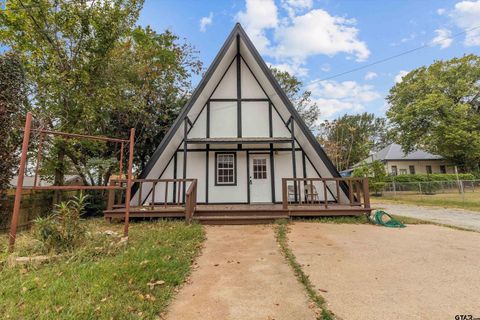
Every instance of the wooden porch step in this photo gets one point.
(238, 219)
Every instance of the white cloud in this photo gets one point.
(258, 16)
(303, 33)
(317, 32)
(326, 67)
(295, 6)
(335, 97)
(399, 77)
(443, 38)
(441, 11)
(293, 69)
(370, 75)
(466, 15)
(206, 21)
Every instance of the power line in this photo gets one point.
(395, 56)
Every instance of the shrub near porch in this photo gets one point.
(133, 282)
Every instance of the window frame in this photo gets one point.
(429, 169)
(443, 169)
(264, 173)
(226, 184)
(394, 170)
(411, 170)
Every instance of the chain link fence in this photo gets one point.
(457, 193)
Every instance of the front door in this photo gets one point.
(260, 186)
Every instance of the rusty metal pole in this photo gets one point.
(129, 182)
(21, 174)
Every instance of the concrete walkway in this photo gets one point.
(450, 216)
(241, 274)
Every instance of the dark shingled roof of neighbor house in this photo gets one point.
(394, 152)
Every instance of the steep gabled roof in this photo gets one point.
(278, 92)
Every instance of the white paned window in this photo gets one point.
(259, 168)
(225, 169)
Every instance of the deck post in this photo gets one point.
(366, 194)
(325, 195)
(284, 194)
(21, 174)
(294, 161)
(128, 195)
(111, 196)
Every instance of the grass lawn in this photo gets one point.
(135, 281)
(470, 200)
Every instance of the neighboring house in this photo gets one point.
(419, 161)
(238, 135)
(28, 181)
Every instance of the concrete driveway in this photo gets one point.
(241, 274)
(450, 216)
(369, 272)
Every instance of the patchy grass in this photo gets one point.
(469, 200)
(336, 219)
(135, 281)
(281, 231)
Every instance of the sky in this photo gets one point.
(316, 40)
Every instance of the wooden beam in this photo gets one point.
(239, 90)
(185, 151)
(294, 162)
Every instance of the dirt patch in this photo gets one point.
(241, 274)
(368, 272)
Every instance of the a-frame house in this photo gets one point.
(239, 136)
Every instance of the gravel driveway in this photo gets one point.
(450, 216)
(366, 272)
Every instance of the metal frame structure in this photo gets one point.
(23, 162)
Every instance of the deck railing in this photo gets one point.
(339, 191)
(191, 201)
(174, 193)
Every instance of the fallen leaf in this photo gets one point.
(152, 284)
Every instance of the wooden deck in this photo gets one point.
(238, 213)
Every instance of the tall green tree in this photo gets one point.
(302, 100)
(437, 108)
(90, 70)
(12, 103)
(350, 138)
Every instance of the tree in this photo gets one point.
(302, 101)
(90, 70)
(375, 172)
(436, 108)
(350, 138)
(12, 101)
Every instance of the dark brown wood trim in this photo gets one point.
(207, 166)
(185, 152)
(175, 176)
(294, 162)
(248, 177)
(272, 173)
(239, 90)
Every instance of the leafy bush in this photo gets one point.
(375, 172)
(63, 230)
